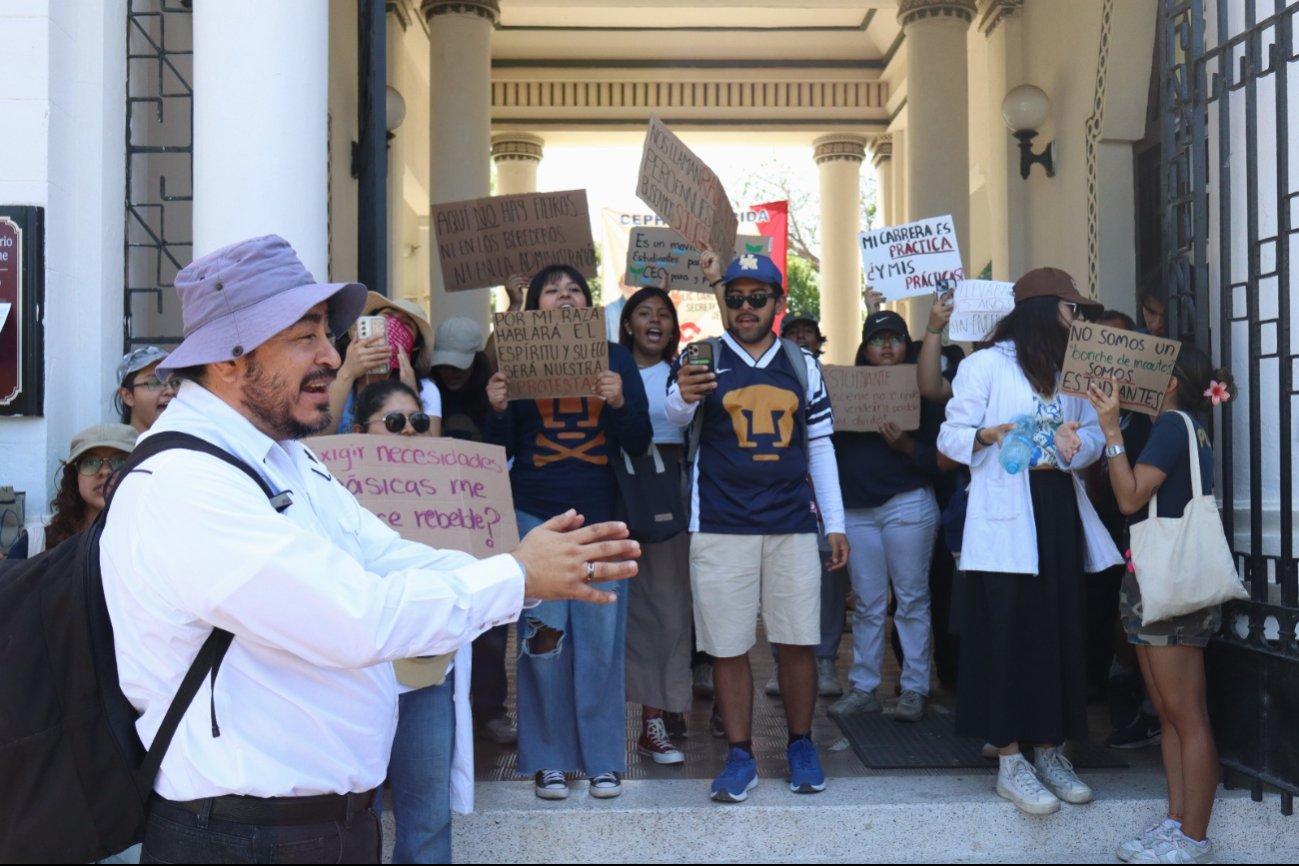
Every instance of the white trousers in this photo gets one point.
(892, 545)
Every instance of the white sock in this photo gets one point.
(1182, 836)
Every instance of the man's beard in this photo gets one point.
(263, 396)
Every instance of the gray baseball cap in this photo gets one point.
(458, 339)
(236, 298)
(136, 360)
(119, 436)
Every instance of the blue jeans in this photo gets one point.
(572, 704)
(419, 772)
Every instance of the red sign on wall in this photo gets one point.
(21, 275)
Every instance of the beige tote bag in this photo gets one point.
(1183, 564)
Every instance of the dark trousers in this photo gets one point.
(487, 684)
(175, 834)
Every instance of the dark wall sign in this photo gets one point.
(22, 302)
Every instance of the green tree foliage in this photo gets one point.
(804, 296)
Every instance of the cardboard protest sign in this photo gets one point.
(908, 260)
(680, 188)
(1139, 364)
(977, 307)
(552, 353)
(655, 253)
(865, 397)
(483, 241)
(446, 493)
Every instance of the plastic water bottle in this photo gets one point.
(1017, 446)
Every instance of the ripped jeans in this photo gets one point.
(571, 701)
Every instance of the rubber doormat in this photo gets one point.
(884, 744)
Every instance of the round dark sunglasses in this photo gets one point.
(395, 422)
(757, 300)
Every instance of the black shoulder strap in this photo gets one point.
(214, 648)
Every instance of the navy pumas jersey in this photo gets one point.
(750, 477)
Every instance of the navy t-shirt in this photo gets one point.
(1167, 450)
(751, 471)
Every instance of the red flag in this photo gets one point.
(772, 221)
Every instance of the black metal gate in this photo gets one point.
(1230, 212)
(159, 167)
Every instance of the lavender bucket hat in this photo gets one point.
(236, 298)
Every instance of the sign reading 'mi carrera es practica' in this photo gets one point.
(22, 296)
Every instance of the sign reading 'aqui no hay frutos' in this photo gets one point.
(681, 189)
(483, 241)
(1139, 364)
(552, 353)
(863, 398)
(909, 260)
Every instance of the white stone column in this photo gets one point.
(460, 101)
(938, 136)
(261, 83)
(882, 159)
(839, 158)
(517, 155)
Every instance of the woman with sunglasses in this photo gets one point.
(891, 516)
(96, 453)
(1030, 533)
(419, 770)
(571, 700)
(404, 350)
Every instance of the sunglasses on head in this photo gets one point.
(90, 464)
(395, 422)
(756, 301)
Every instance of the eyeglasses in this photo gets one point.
(756, 301)
(886, 340)
(90, 464)
(395, 422)
(1073, 310)
(155, 384)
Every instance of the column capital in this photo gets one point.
(517, 146)
(489, 9)
(881, 149)
(911, 11)
(996, 11)
(839, 147)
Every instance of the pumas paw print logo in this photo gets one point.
(749, 262)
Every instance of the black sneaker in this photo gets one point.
(1138, 735)
(676, 724)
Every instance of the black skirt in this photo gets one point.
(1023, 638)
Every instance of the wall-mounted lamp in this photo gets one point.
(1025, 109)
(394, 107)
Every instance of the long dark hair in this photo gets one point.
(374, 395)
(68, 508)
(545, 275)
(626, 340)
(1040, 340)
(1194, 371)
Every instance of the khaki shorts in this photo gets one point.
(731, 574)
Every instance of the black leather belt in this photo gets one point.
(275, 811)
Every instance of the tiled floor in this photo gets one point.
(704, 753)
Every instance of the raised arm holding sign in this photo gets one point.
(909, 260)
(553, 353)
(685, 192)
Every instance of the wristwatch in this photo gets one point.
(1112, 451)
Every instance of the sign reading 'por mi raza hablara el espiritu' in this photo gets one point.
(911, 260)
(552, 353)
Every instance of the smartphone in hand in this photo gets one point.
(699, 356)
(369, 326)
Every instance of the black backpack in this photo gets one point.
(75, 781)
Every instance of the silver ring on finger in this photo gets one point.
(590, 572)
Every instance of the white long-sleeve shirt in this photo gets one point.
(1000, 534)
(320, 599)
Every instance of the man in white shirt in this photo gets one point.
(278, 757)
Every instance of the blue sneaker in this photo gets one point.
(805, 775)
(738, 778)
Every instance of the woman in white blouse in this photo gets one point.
(1030, 533)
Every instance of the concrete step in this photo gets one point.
(897, 817)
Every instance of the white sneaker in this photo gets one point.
(1146, 839)
(1017, 782)
(1057, 774)
(827, 679)
(1176, 847)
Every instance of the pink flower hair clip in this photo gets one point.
(1217, 392)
